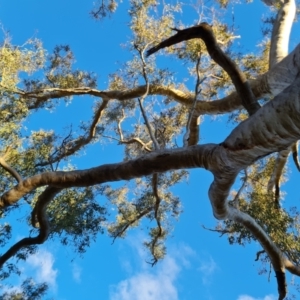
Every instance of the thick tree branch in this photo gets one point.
(271, 83)
(204, 32)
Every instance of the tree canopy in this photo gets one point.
(154, 114)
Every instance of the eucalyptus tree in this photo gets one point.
(262, 97)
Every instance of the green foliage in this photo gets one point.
(76, 217)
(14, 60)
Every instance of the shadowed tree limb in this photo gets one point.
(259, 253)
(295, 155)
(39, 212)
(10, 169)
(204, 32)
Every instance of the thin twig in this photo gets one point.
(79, 143)
(142, 98)
(237, 196)
(156, 216)
(187, 136)
(131, 141)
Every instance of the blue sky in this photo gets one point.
(199, 264)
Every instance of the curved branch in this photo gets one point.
(154, 162)
(40, 211)
(259, 253)
(295, 155)
(159, 234)
(277, 172)
(204, 32)
(276, 257)
(10, 170)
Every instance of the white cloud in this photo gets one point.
(208, 268)
(149, 283)
(146, 286)
(247, 297)
(76, 272)
(42, 262)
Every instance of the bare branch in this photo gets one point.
(259, 253)
(221, 231)
(141, 99)
(159, 234)
(281, 32)
(295, 155)
(119, 126)
(131, 141)
(77, 144)
(40, 212)
(204, 32)
(275, 255)
(10, 169)
(132, 221)
(191, 136)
